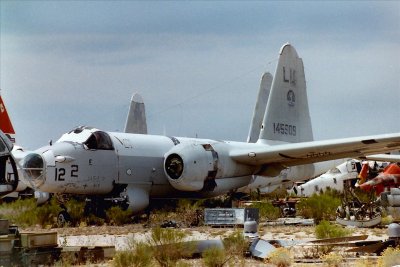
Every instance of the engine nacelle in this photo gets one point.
(189, 166)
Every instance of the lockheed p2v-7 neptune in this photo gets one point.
(132, 169)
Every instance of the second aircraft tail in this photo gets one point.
(287, 116)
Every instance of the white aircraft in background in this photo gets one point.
(336, 178)
(134, 168)
(348, 171)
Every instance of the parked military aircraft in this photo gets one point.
(8, 167)
(336, 178)
(133, 168)
(352, 170)
(135, 123)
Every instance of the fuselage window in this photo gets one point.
(99, 140)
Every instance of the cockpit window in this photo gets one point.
(5, 144)
(99, 140)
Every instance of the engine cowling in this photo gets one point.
(189, 167)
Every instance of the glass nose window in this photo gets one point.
(33, 165)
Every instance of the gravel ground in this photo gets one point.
(121, 237)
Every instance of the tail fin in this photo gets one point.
(287, 117)
(136, 120)
(259, 109)
(5, 122)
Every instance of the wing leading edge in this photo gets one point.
(315, 151)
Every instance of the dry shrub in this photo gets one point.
(26, 213)
(366, 263)
(327, 230)
(139, 256)
(214, 257)
(267, 210)
(315, 252)
(168, 246)
(390, 257)
(76, 210)
(281, 257)
(118, 216)
(189, 212)
(319, 207)
(332, 259)
(236, 244)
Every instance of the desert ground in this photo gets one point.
(122, 236)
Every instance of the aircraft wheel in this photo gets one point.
(63, 218)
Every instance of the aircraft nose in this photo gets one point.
(34, 169)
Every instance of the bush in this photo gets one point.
(236, 246)
(281, 257)
(47, 213)
(138, 257)
(26, 213)
(167, 246)
(332, 259)
(189, 212)
(327, 230)
(76, 210)
(267, 210)
(117, 216)
(214, 257)
(390, 257)
(92, 219)
(19, 212)
(319, 207)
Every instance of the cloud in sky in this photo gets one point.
(197, 64)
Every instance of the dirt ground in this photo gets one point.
(122, 236)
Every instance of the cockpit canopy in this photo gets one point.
(99, 140)
(91, 138)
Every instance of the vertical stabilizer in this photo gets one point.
(259, 109)
(287, 117)
(5, 122)
(136, 120)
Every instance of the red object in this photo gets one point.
(5, 123)
(363, 173)
(390, 177)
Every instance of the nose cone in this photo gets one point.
(34, 169)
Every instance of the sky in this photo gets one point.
(197, 64)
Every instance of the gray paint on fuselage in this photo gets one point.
(95, 171)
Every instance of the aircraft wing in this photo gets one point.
(384, 157)
(316, 151)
